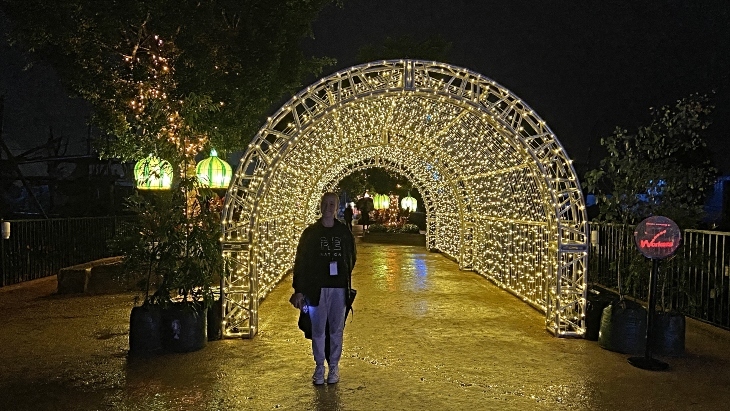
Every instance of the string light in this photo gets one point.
(150, 76)
(500, 194)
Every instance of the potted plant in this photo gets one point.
(668, 328)
(624, 322)
(625, 330)
(175, 243)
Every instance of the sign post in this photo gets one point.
(656, 238)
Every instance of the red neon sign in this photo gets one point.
(657, 237)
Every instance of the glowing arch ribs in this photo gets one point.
(500, 193)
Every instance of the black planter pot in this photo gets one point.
(667, 334)
(215, 332)
(623, 328)
(595, 303)
(184, 327)
(145, 330)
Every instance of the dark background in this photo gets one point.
(584, 67)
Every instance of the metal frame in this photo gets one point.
(501, 195)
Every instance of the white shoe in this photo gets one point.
(318, 376)
(334, 375)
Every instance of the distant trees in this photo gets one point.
(663, 168)
(375, 180)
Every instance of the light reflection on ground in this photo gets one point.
(424, 336)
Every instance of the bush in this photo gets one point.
(418, 219)
(377, 228)
(409, 229)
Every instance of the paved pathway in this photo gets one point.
(424, 336)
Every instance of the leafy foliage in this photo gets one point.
(405, 229)
(409, 229)
(378, 228)
(377, 180)
(206, 71)
(175, 241)
(662, 169)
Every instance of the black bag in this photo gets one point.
(350, 298)
(305, 324)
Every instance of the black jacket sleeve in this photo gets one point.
(299, 280)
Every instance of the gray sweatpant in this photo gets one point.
(331, 307)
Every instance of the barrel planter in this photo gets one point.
(145, 330)
(667, 334)
(595, 303)
(215, 317)
(184, 327)
(623, 328)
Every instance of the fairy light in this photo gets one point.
(151, 76)
(500, 194)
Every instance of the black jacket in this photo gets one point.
(318, 246)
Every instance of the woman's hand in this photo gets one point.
(297, 300)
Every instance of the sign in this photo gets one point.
(657, 237)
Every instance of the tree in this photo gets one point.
(167, 76)
(662, 169)
(376, 180)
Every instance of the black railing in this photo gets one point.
(39, 248)
(695, 281)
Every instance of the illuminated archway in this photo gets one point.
(500, 193)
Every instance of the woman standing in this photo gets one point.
(322, 277)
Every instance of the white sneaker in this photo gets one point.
(318, 376)
(334, 375)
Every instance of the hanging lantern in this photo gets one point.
(381, 201)
(153, 173)
(214, 172)
(409, 203)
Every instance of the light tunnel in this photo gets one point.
(501, 196)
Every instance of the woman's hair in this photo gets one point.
(327, 194)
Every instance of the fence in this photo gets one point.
(696, 281)
(39, 248)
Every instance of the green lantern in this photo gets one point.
(409, 203)
(214, 172)
(381, 201)
(153, 173)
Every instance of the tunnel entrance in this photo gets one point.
(500, 193)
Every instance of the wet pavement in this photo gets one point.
(424, 336)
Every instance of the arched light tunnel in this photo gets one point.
(500, 193)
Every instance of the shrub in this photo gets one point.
(378, 228)
(409, 229)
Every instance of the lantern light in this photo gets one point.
(381, 202)
(214, 172)
(153, 173)
(409, 203)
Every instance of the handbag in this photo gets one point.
(351, 294)
(305, 323)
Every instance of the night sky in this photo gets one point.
(584, 67)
